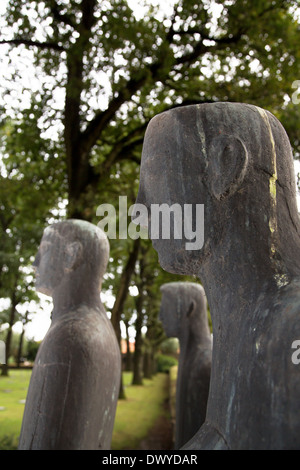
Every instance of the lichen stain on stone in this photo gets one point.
(272, 227)
(281, 280)
(273, 180)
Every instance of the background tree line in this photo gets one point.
(72, 134)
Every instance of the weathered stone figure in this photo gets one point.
(74, 387)
(183, 313)
(236, 159)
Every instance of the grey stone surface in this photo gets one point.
(236, 159)
(74, 387)
(183, 313)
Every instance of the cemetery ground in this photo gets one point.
(143, 419)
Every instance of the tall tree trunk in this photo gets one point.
(21, 340)
(128, 359)
(121, 297)
(148, 362)
(9, 331)
(138, 353)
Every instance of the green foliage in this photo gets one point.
(208, 50)
(32, 349)
(170, 346)
(8, 442)
(13, 391)
(164, 363)
(29, 350)
(29, 192)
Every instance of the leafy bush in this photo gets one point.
(164, 363)
(32, 349)
(170, 347)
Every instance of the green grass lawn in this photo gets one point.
(138, 413)
(13, 391)
(134, 418)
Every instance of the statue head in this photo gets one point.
(235, 160)
(183, 309)
(73, 252)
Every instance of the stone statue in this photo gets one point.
(73, 392)
(236, 160)
(183, 313)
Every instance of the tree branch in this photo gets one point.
(122, 150)
(128, 154)
(79, 169)
(225, 39)
(62, 17)
(95, 127)
(199, 49)
(123, 288)
(88, 16)
(30, 42)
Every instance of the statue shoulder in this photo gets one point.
(84, 329)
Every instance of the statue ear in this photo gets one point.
(228, 159)
(72, 256)
(191, 308)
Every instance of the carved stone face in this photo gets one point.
(74, 252)
(183, 308)
(222, 156)
(172, 176)
(169, 315)
(48, 263)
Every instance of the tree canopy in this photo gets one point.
(102, 71)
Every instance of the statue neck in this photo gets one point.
(257, 247)
(250, 261)
(194, 339)
(73, 292)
